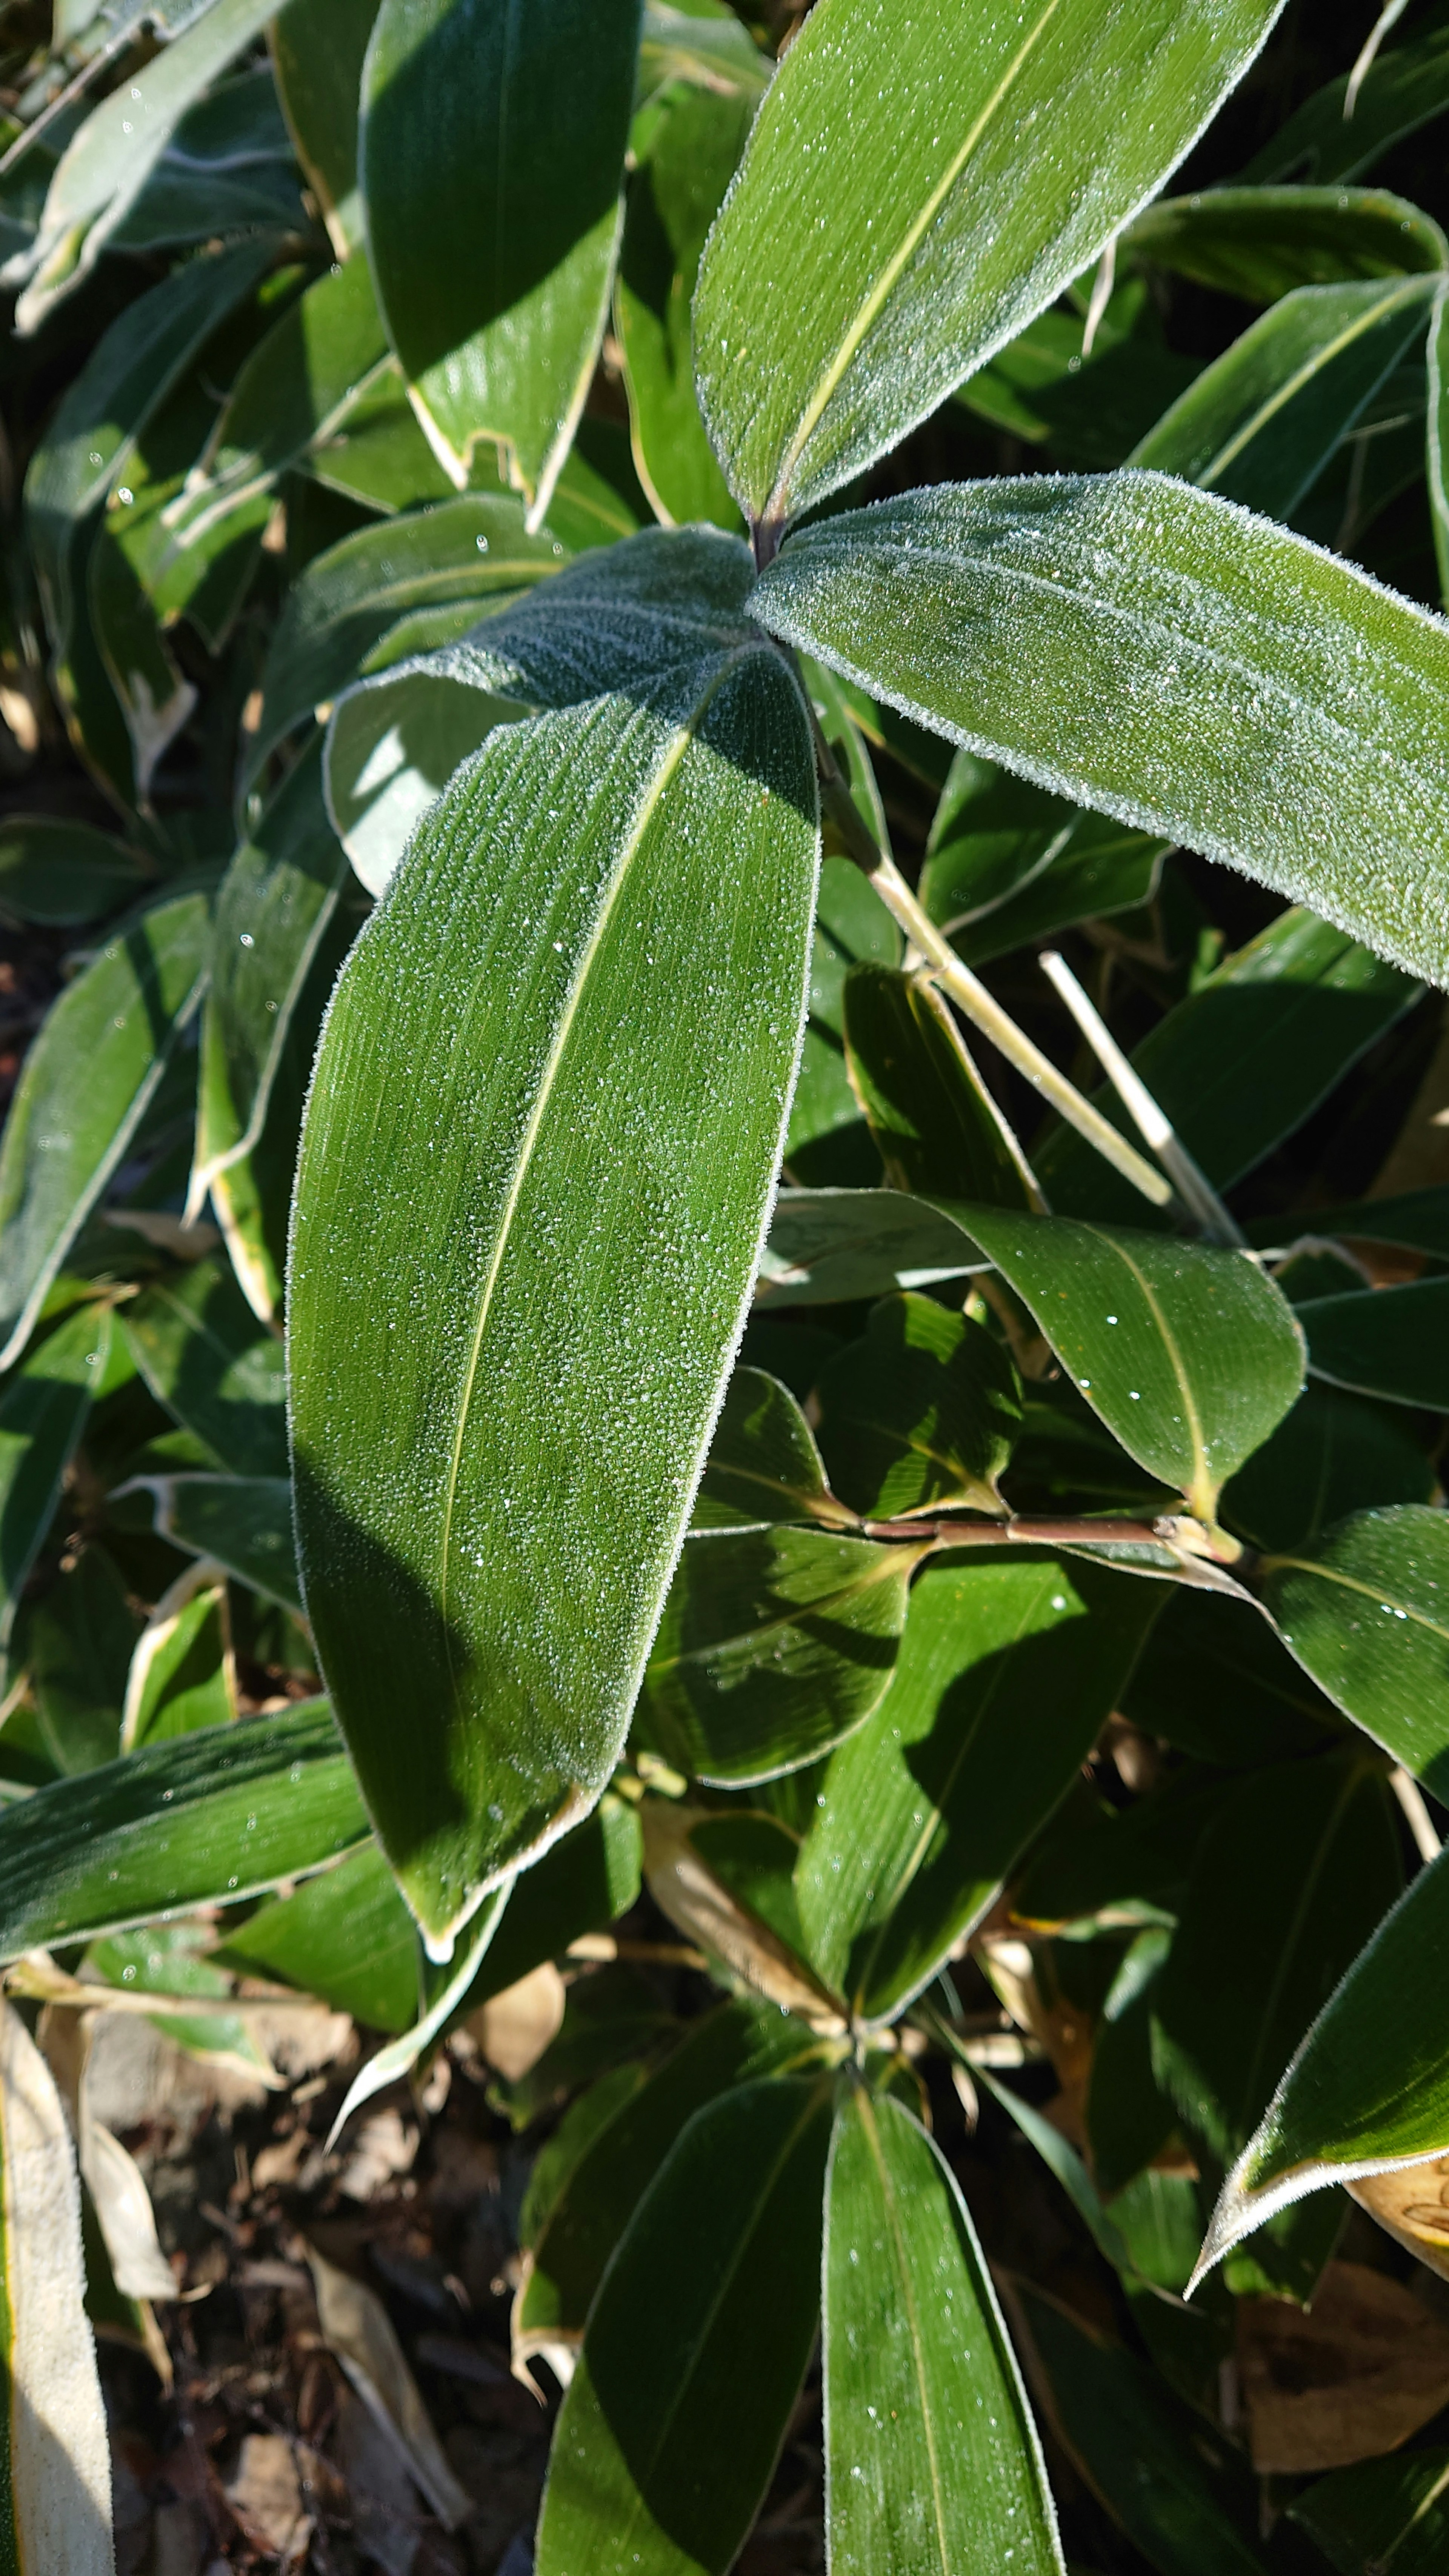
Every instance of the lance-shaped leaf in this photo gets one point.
(1367, 2091)
(829, 1247)
(1386, 1341)
(61, 874)
(1333, 1454)
(1386, 2513)
(1403, 88)
(204, 1820)
(1190, 1356)
(1262, 242)
(43, 1411)
(932, 2458)
(922, 1412)
(594, 965)
(1188, 670)
(1008, 864)
(227, 168)
(773, 1645)
(838, 302)
(55, 2497)
(208, 1359)
(273, 912)
(763, 1464)
(508, 133)
(108, 161)
(245, 1522)
(318, 48)
(1366, 1612)
(1007, 1670)
(1260, 424)
(88, 1080)
(77, 1644)
(696, 2346)
(682, 173)
(935, 1124)
(183, 1672)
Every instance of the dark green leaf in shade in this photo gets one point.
(681, 172)
(922, 1412)
(1008, 863)
(1287, 1884)
(1086, 404)
(839, 302)
(594, 965)
(1186, 666)
(1007, 1670)
(153, 694)
(211, 1817)
(1331, 1455)
(88, 1080)
(1242, 1061)
(508, 133)
(1416, 1219)
(1215, 1681)
(830, 1247)
(736, 2043)
(1366, 1611)
(60, 874)
(1260, 243)
(583, 1882)
(77, 1644)
(317, 49)
(244, 1522)
(273, 912)
(1129, 2118)
(228, 168)
(43, 1411)
(1404, 87)
(1262, 421)
(696, 2346)
(206, 1357)
(1368, 2089)
(1120, 1868)
(1191, 1357)
(1385, 2517)
(586, 2116)
(1391, 1342)
(935, 1124)
(763, 1464)
(773, 1645)
(1177, 2489)
(932, 2458)
(609, 2016)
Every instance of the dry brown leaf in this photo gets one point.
(266, 2497)
(1412, 2206)
(1347, 2379)
(515, 2027)
(356, 2326)
(382, 2147)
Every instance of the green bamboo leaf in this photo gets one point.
(696, 2346)
(470, 549)
(346, 1936)
(55, 2498)
(680, 175)
(1006, 863)
(922, 1412)
(924, 1812)
(275, 907)
(1260, 243)
(1417, 1219)
(834, 312)
(207, 1819)
(702, 42)
(182, 1673)
(43, 1412)
(830, 1247)
(1180, 2492)
(763, 1464)
(773, 1645)
(1296, 1870)
(60, 874)
(1366, 1612)
(1402, 90)
(936, 1126)
(508, 133)
(87, 1083)
(1191, 1357)
(109, 160)
(245, 1522)
(932, 2458)
(1214, 1680)
(1367, 2090)
(1388, 2513)
(77, 1642)
(443, 1490)
(1187, 667)
(1085, 400)
(1240, 1063)
(214, 1366)
(1386, 1341)
(1261, 422)
(317, 51)
(736, 2043)
(227, 168)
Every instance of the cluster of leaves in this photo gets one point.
(786, 1543)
